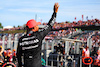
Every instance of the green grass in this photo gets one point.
(14, 31)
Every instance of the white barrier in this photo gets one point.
(9, 41)
(12, 44)
(3, 42)
(16, 42)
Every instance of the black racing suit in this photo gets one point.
(30, 45)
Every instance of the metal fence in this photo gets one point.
(55, 59)
(67, 60)
(9, 43)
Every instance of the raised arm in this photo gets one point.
(53, 18)
(51, 22)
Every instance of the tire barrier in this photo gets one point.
(87, 60)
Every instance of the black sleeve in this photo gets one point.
(48, 27)
(19, 54)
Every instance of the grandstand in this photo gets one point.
(63, 46)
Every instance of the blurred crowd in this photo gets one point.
(7, 55)
(95, 35)
(94, 52)
(95, 22)
(96, 39)
(62, 33)
(59, 48)
(60, 25)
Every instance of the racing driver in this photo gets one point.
(30, 44)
